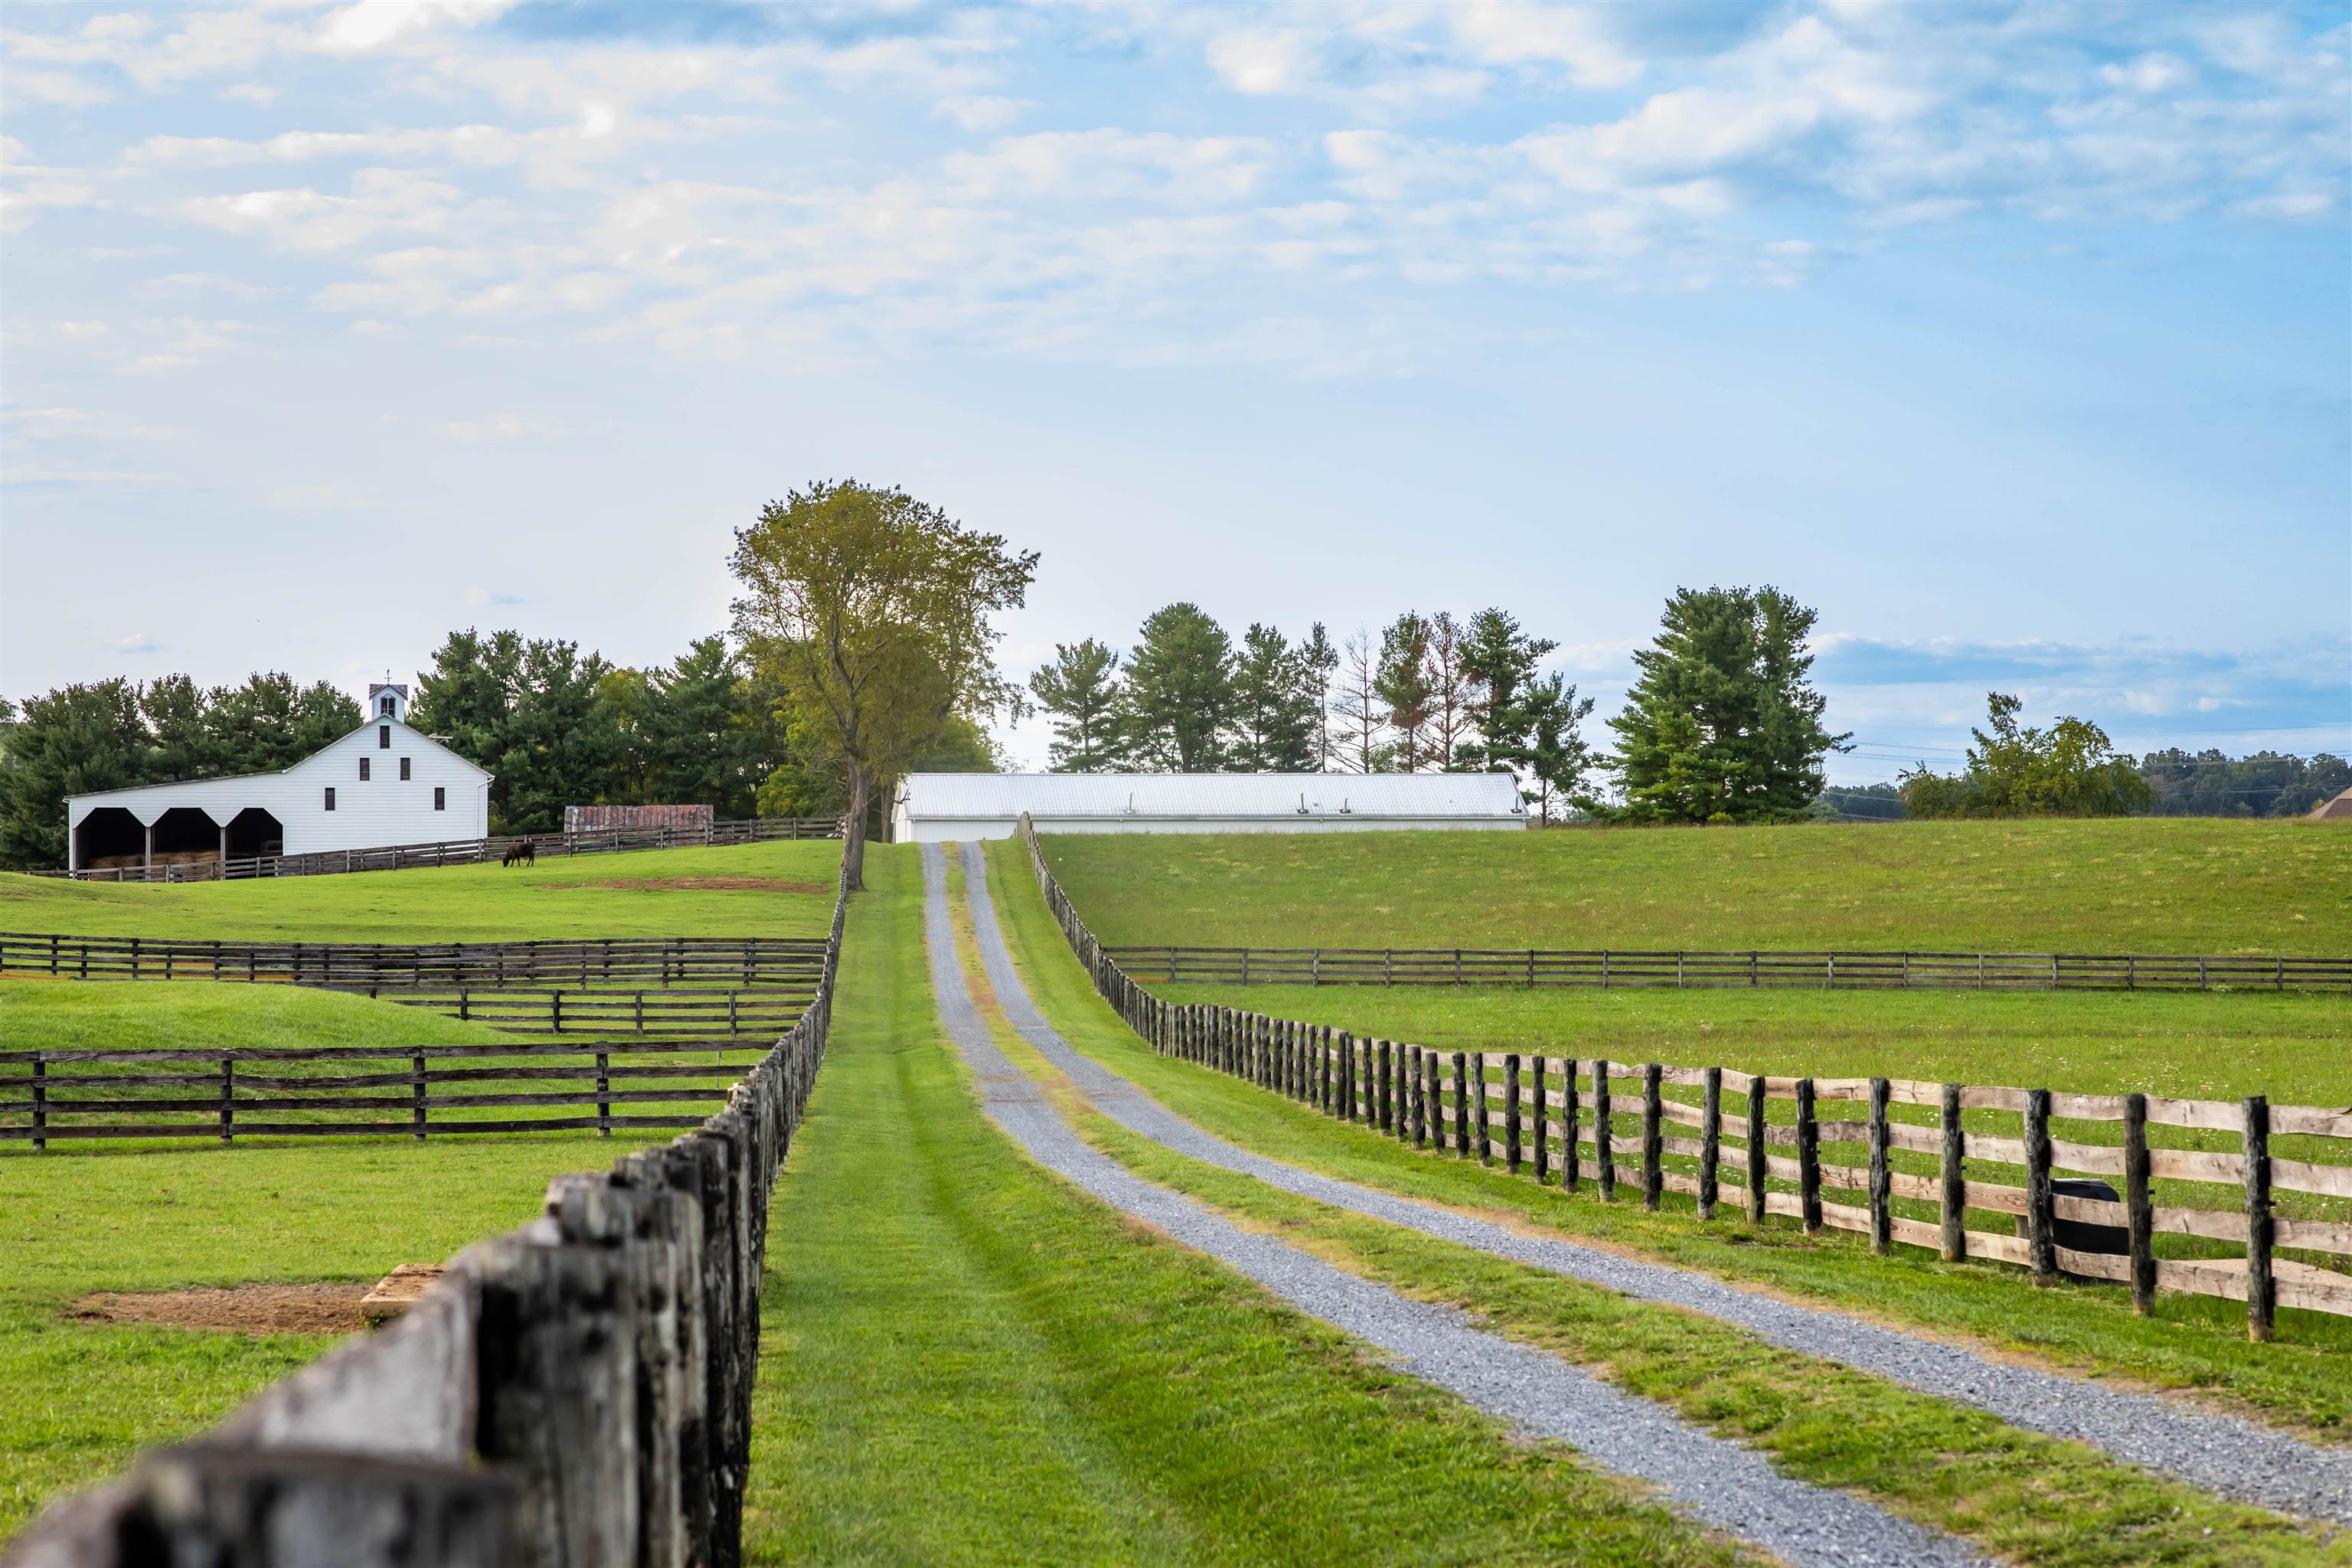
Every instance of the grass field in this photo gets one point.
(2190, 1342)
(596, 895)
(965, 1360)
(2149, 885)
(83, 1397)
(2291, 1048)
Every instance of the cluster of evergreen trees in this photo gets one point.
(114, 734)
(1430, 694)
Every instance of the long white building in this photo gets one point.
(383, 783)
(940, 808)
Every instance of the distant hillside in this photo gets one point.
(2148, 885)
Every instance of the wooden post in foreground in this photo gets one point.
(2041, 1205)
(1711, 1151)
(1570, 1160)
(1604, 1157)
(1460, 1105)
(1652, 1172)
(1511, 1112)
(1543, 1128)
(1954, 1204)
(1881, 1177)
(2140, 1212)
(1755, 1149)
(1809, 1158)
(2262, 1289)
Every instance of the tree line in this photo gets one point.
(1722, 724)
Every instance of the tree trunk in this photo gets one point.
(853, 850)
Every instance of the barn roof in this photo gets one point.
(1003, 796)
(161, 785)
(2338, 805)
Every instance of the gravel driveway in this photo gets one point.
(1719, 1483)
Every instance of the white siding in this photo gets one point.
(950, 807)
(383, 809)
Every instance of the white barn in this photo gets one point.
(938, 808)
(383, 783)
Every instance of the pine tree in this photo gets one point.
(1317, 662)
(1179, 692)
(73, 740)
(1722, 725)
(1402, 681)
(703, 744)
(1276, 714)
(1080, 689)
(1450, 693)
(182, 744)
(1498, 663)
(1553, 752)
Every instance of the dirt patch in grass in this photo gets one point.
(317, 1309)
(707, 885)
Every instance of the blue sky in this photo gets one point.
(2018, 339)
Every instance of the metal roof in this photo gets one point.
(994, 796)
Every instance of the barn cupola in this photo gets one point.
(387, 702)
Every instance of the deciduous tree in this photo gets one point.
(1402, 681)
(1363, 723)
(2070, 769)
(875, 612)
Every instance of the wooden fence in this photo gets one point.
(1818, 970)
(375, 965)
(575, 1391)
(68, 1095)
(462, 851)
(1983, 1151)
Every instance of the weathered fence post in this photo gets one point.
(1511, 1112)
(416, 1096)
(1433, 1100)
(1756, 1153)
(40, 1102)
(1882, 1178)
(1710, 1140)
(1652, 1146)
(1604, 1169)
(2041, 1215)
(1953, 1207)
(228, 1099)
(1570, 1161)
(2140, 1212)
(1386, 1118)
(1543, 1133)
(1347, 1076)
(604, 1095)
(1483, 1136)
(1809, 1157)
(1461, 1105)
(2262, 1289)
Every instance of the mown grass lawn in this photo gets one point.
(633, 894)
(2296, 1048)
(2145, 885)
(82, 1397)
(2189, 1342)
(965, 1360)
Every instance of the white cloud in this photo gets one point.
(981, 111)
(152, 364)
(251, 92)
(382, 200)
(334, 495)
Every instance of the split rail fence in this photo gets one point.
(462, 851)
(794, 962)
(576, 1392)
(1538, 967)
(1955, 1155)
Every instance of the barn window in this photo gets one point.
(330, 797)
(440, 798)
(403, 770)
(363, 770)
(383, 736)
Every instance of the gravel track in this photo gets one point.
(1722, 1484)
(2223, 1454)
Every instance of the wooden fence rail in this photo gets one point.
(576, 1392)
(463, 851)
(1539, 967)
(372, 966)
(215, 1095)
(1961, 1152)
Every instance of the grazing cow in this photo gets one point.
(523, 850)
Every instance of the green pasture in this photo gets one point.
(2191, 1342)
(84, 1396)
(2170, 885)
(558, 899)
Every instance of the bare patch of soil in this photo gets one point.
(708, 885)
(317, 1309)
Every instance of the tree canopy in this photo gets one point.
(2070, 769)
(1722, 724)
(873, 614)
